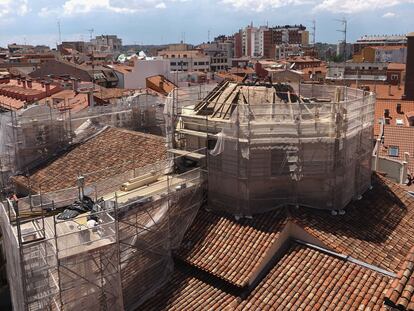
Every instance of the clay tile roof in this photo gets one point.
(401, 291)
(218, 253)
(306, 278)
(111, 152)
(391, 105)
(401, 137)
(378, 229)
(230, 249)
(303, 279)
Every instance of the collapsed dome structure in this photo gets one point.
(273, 144)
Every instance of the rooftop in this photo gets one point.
(111, 152)
(298, 258)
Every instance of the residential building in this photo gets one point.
(186, 60)
(100, 75)
(16, 94)
(134, 76)
(362, 72)
(79, 46)
(378, 40)
(291, 34)
(107, 43)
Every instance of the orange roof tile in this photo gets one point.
(376, 229)
(229, 249)
(391, 105)
(303, 279)
(401, 292)
(218, 253)
(383, 91)
(401, 137)
(111, 152)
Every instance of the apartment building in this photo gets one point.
(187, 60)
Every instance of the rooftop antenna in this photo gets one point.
(344, 23)
(313, 33)
(59, 32)
(91, 33)
(208, 36)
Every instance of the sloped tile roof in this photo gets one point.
(230, 249)
(303, 279)
(111, 152)
(406, 108)
(401, 292)
(401, 137)
(377, 229)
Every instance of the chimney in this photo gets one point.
(47, 86)
(19, 81)
(409, 68)
(399, 111)
(386, 113)
(24, 82)
(29, 83)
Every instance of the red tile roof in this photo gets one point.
(401, 292)
(401, 137)
(384, 91)
(377, 229)
(111, 152)
(229, 249)
(303, 279)
(218, 253)
(407, 108)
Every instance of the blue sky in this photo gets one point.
(166, 21)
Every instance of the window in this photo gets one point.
(393, 151)
(173, 63)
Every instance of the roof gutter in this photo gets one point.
(348, 259)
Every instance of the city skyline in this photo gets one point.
(138, 22)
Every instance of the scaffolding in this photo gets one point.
(272, 144)
(142, 215)
(34, 135)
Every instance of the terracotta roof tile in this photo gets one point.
(303, 279)
(407, 107)
(111, 152)
(230, 249)
(401, 137)
(401, 291)
(376, 229)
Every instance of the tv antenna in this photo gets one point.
(344, 29)
(313, 32)
(91, 33)
(59, 32)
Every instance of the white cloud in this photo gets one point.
(356, 6)
(334, 6)
(261, 5)
(161, 5)
(73, 7)
(9, 8)
(389, 15)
